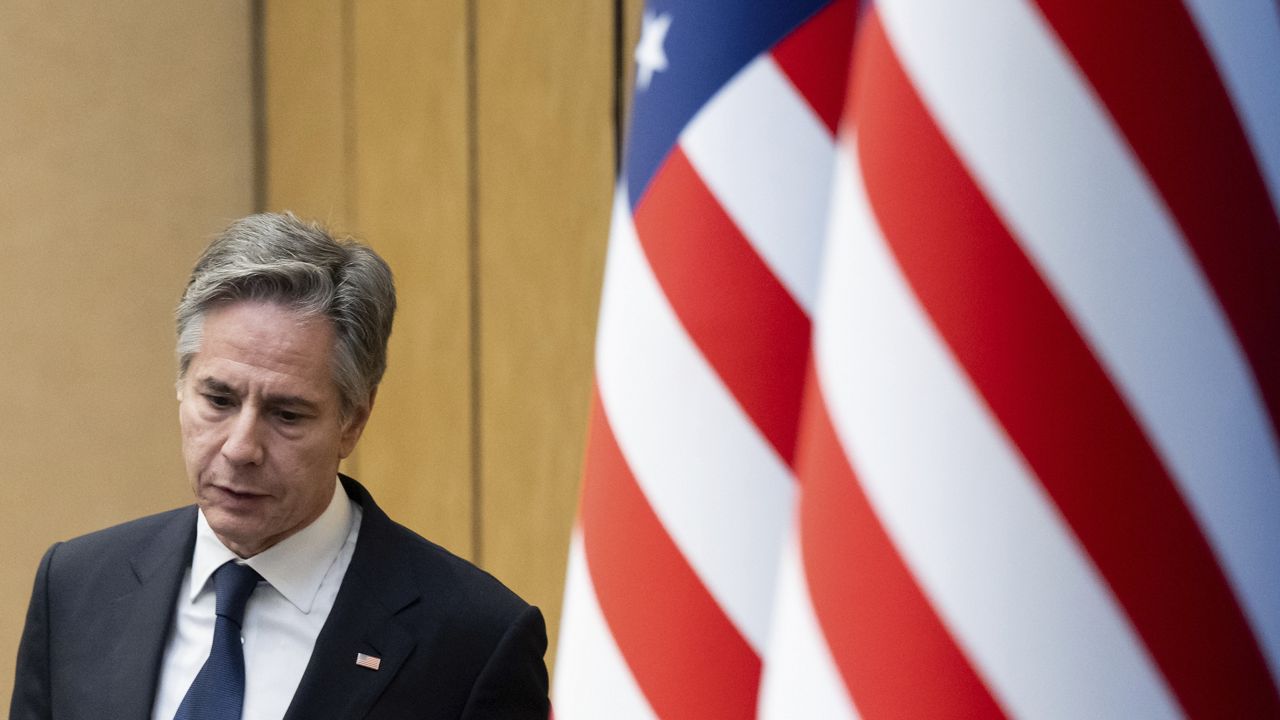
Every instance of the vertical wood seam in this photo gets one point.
(349, 115)
(258, 101)
(473, 269)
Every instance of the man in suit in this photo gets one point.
(285, 591)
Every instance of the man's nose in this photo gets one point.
(243, 445)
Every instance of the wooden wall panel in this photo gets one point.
(306, 164)
(411, 203)
(367, 130)
(478, 157)
(125, 143)
(307, 143)
(545, 105)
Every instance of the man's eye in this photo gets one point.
(218, 401)
(288, 416)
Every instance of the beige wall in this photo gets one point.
(471, 143)
(125, 140)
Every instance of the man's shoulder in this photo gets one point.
(78, 572)
(450, 600)
(431, 561)
(393, 549)
(133, 530)
(128, 538)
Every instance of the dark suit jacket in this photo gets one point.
(454, 642)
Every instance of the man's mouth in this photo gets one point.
(243, 494)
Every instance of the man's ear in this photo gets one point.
(354, 426)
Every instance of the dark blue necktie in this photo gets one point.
(217, 693)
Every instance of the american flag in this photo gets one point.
(1039, 453)
(700, 359)
(1036, 442)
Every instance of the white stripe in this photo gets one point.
(972, 523)
(592, 679)
(719, 488)
(1243, 36)
(1091, 222)
(767, 157)
(800, 678)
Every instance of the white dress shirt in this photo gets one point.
(282, 618)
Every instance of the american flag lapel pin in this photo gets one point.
(368, 661)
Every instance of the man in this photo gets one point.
(285, 591)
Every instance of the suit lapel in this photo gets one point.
(133, 657)
(334, 686)
(363, 620)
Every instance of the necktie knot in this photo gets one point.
(233, 583)
(217, 693)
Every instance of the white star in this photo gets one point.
(650, 57)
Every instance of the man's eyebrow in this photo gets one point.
(215, 385)
(218, 386)
(289, 401)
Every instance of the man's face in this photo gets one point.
(261, 432)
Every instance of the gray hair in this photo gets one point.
(280, 259)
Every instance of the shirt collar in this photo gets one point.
(294, 566)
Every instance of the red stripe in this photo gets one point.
(741, 318)
(894, 654)
(1053, 398)
(1152, 71)
(685, 654)
(816, 59)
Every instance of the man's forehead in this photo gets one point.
(262, 347)
(272, 333)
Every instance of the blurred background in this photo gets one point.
(472, 144)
